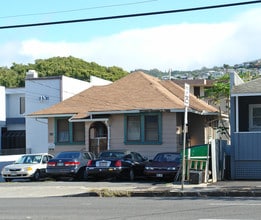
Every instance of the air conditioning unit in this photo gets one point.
(31, 74)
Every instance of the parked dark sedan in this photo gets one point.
(122, 164)
(165, 165)
(69, 164)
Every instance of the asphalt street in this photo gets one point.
(135, 208)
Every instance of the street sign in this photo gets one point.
(186, 95)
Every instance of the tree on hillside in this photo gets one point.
(57, 66)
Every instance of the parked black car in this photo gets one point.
(69, 164)
(165, 165)
(122, 164)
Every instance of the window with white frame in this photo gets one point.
(255, 117)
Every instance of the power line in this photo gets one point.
(79, 9)
(130, 15)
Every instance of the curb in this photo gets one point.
(167, 193)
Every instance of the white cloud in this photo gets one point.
(182, 46)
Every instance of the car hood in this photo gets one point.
(20, 165)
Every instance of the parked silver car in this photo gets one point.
(28, 166)
(69, 164)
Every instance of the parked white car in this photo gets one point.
(28, 166)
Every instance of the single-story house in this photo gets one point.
(245, 121)
(138, 112)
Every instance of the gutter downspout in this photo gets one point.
(109, 134)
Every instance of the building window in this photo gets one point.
(69, 133)
(197, 91)
(144, 128)
(255, 117)
(133, 128)
(62, 130)
(151, 128)
(22, 105)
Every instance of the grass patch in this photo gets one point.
(111, 193)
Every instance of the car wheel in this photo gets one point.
(36, 176)
(131, 175)
(7, 180)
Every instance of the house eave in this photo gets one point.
(49, 116)
(195, 111)
(88, 120)
(245, 94)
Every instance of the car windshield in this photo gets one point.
(168, 157)
(110, 154)
(68, 155)
(27, 159)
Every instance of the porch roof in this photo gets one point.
(251, 88)
(135, 92)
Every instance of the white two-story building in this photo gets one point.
(20, 134)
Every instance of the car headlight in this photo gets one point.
(5, 169)
(27, 169)
(171, 168)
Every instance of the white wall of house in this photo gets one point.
(71, 86)
(2, 105)
(42, 93)
(2, 110)
(13, 96)
(96, 81)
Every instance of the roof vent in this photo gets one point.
(31, 74)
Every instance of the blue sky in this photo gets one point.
(178, 41)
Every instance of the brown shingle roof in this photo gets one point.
(136, 91)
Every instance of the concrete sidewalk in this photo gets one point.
(122, 189)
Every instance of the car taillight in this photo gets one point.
(118, 163)
(51, 164)
(89, 163)
(71, 163)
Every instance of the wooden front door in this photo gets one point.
(98, 135)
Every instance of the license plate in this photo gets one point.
(13, 173)
(59, 164)
(103, 164)
(159, 175)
